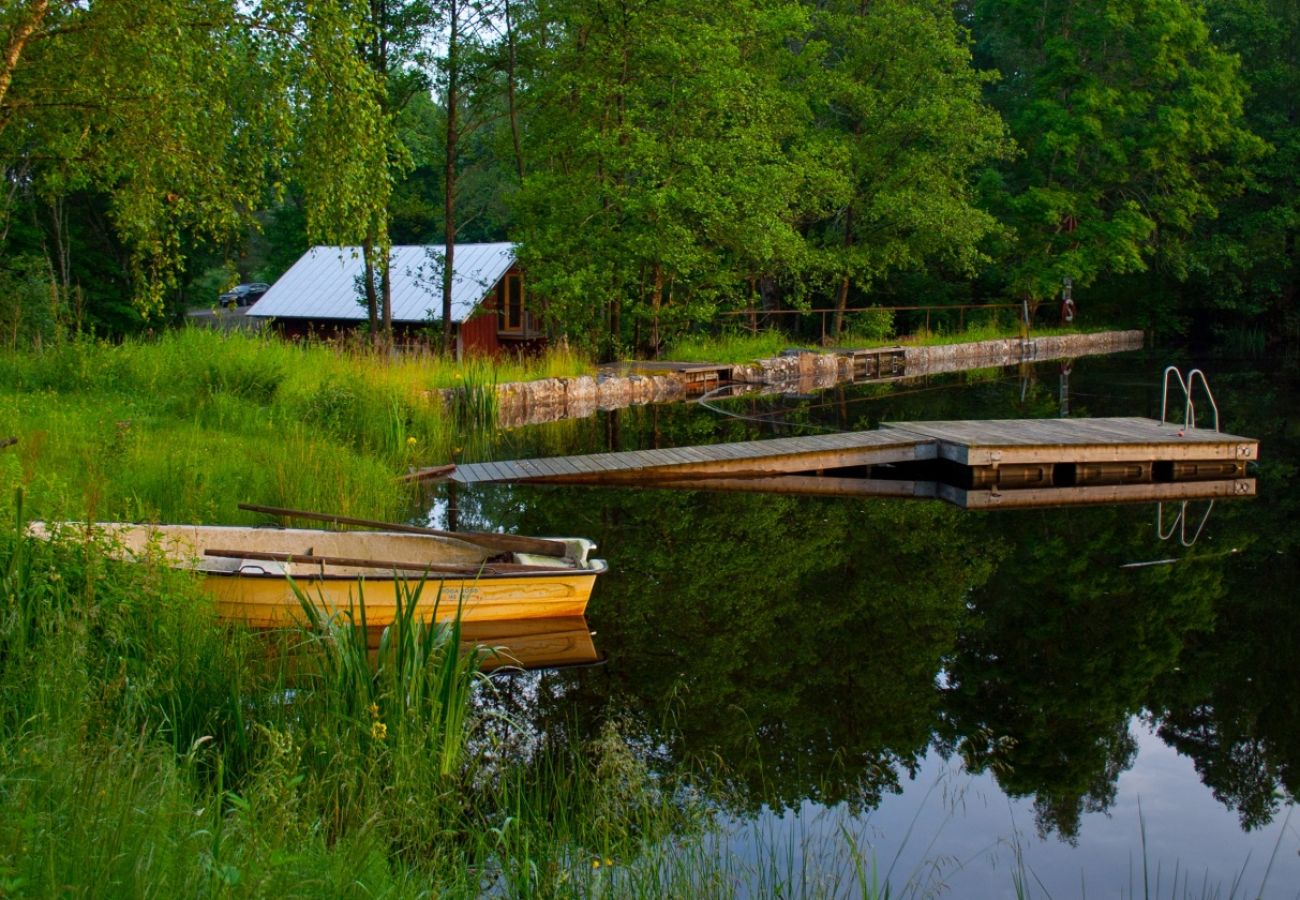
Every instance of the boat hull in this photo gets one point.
(269, 601)
(252, 572)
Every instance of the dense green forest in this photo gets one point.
(660, 162)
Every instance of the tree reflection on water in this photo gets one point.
(813, 648)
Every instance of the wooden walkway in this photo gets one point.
(973, 464)
(746, 459)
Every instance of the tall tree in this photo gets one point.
(1249, 261)
(187, 115)
(475, 34)
(395, 35)
(1124, 110)
(165, 106)
(899, 112)
(656, 139)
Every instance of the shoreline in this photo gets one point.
(554, 399)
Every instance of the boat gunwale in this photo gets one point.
(594, 567)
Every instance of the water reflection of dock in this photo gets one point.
(977, 464)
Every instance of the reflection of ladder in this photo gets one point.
(1188, 384)
(1179, 523)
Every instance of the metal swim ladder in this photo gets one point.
(1188, 384)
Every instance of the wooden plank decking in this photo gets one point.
(747, 459)
(1002, 441)
(1009, 463)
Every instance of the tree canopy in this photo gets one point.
(658, 163)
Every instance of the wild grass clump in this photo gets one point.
(732, 346)
(145, 748)
(187, 426)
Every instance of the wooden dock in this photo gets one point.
(982, 463)
(697, 377)
(746, 459)
(876, 363)
(990, 442)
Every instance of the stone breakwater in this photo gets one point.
(552, 399)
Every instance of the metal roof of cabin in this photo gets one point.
(326, 283)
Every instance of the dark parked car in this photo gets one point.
(243, 294)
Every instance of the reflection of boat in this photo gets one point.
(539, 643)
(245, 569)
(531, 643)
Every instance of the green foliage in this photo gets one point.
(1130, 122)
(688, 153)
(659, 179)
(94, 87)
(901, 126)
(870, 325)
(1246, 264)
(243, 97)
(26, 317)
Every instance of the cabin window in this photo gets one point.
(513, 307)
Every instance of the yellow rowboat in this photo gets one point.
(244, 569)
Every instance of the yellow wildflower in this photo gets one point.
(411, 441)
(379, 731)
(374, 710)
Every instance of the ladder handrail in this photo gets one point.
(1188, 384)
(1190, 411)
(1164, 396)
(1178, 519)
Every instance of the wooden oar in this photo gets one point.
(389, 565)
(509, 543)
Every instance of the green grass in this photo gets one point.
(146, 749)
(744, 346)
(185, 427)
(728, 347)
(974, 333)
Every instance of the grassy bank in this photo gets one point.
(745, 346)
(147, 750)
(185, 427)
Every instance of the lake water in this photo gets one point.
(971, 698)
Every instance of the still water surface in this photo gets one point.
(954, 690)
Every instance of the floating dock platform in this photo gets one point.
(977, 464)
